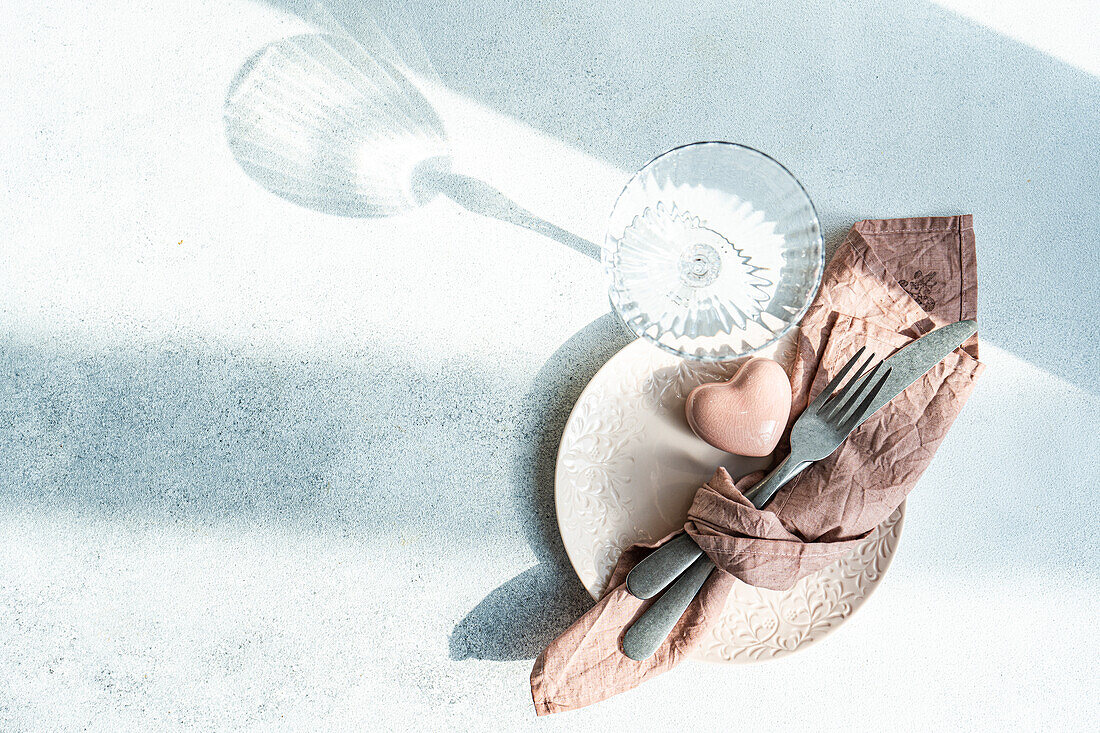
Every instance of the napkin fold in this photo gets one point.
(891, 281)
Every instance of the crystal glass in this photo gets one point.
(714, 251)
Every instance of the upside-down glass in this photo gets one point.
(714, 251)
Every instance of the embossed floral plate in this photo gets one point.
(628, 466)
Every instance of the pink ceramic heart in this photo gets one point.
(745, 415)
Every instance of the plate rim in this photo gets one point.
(558, 459)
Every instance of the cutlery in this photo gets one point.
(819, 430)
(661, 567)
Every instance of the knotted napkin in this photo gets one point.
(891, 281)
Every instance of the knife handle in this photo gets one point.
(648, 633)
(662, 566)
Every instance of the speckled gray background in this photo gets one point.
(264, 468)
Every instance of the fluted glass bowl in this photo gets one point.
(714, 251)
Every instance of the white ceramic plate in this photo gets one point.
(628, 466)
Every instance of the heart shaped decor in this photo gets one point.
(745, 415)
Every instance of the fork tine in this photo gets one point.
(857, 416)
(853, 393)
(865, 368)
(847, 396)
(830, 404)
(827, 392)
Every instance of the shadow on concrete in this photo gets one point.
(518, 619)
(335, 124)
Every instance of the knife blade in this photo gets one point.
(916, 359)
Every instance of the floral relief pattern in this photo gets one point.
(669, 386)
(596, 500)
(758, 623)
(597, 464)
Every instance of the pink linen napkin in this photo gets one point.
(890, 282)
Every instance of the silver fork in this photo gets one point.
(819, 431)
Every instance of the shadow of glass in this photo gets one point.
(434, 176)
(322, 121)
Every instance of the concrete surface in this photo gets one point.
(267, 468)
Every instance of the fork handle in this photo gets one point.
(662, 566)
(763, 491)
